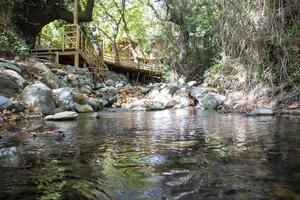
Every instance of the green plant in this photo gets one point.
(10, 42)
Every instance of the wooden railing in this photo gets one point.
(128, 62)
(74, 37)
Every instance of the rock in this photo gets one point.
(144, 90)
(103, 90)
(79, 97)
(86, 89)
(5, 103)
(295, 112)
(119, 85)
(62, 116)
(96, 104)
(105, 103)
(40, 96)
(138, 105)
(261, 111)
(183, 102)
(64, 98)
(15, 76)
(8, 86)
(71, 69)
(208, 102)
(172, 103)
(169, 90)
(156, 105)
(153, 93)
(48, 77)
(83, 108)
(10, 66)
(98, 86)
(198, 93)
(111, 97)
(109, 82)
(17, 107)
(219, 98)
(192, 83)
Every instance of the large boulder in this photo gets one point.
(10, 66)
(64, 98)
(40, 96)
(83, 108)
(198, 93)
(211, 100)
(79, 97)
(8, 86)
(96, 104)
(15, 76)
(48, 77)
(62, 116)
(5, 103)
(138, 105)
(208, 102)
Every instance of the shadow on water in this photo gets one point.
(172, 154)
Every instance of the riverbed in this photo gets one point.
(171, 154)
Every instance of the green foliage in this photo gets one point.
(12, 43)
(165, 69)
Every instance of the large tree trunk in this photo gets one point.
(33, 15)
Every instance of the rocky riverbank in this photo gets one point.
(35, 88)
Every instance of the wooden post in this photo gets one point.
(56, 58)
(76, 59)
(77, 32)
(75, 12)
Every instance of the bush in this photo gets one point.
(11, 43)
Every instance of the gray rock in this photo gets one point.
(109, 82)
(172, 103)
(144, 90)
(156, 105)
(79, 97)
(183, 102)
(192, 83)
(48, 77)
(64, 98)
(154, 92)
(71, 69)
(138, 105)
(5, 103)
(198, 93)
(40, 96)
(83, 108)
(86, 89)
(208, 102)
(10, 66)
(110, 97)
(8, 86)
(15, 76)
(62, 116)
(98, 86)
(96, 104)
(295, 112)
(261, 111)
(219, 98)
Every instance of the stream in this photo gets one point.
(171, 154)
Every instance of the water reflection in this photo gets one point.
(178, 154)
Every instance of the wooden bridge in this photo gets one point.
(76, 49)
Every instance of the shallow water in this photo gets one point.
(173, 154)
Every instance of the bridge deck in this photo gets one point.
(76, 49)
